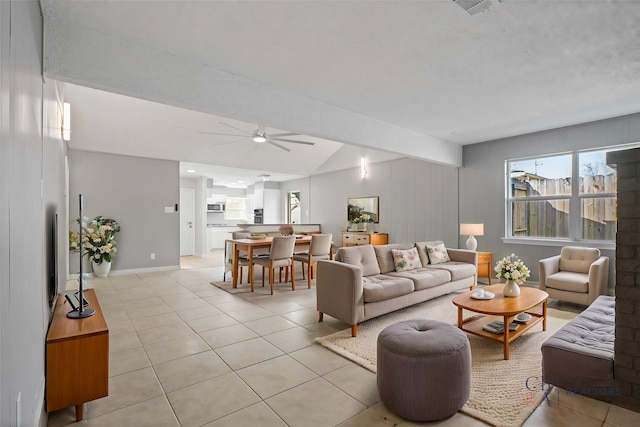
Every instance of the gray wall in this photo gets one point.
(31, 192)
(482, 180)
(134, 191)
(418, 199)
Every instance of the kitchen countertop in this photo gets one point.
(222, 225)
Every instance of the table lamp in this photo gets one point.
(472, 230)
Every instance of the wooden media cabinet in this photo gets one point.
(77, 353)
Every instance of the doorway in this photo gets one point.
(187, 219)
(294, 210)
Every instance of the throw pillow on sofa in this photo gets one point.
(438, 253)
(406, 260)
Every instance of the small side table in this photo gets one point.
(485, 265)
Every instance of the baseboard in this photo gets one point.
(144, 270)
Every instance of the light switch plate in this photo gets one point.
(169, 209)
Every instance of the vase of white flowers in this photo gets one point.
(98, 243)
(513, 270)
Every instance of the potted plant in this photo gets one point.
(98, 243)
(286, 230)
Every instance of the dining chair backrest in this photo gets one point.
(282, 247)
(320, 244)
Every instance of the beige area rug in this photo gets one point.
(245, 287)
(499, 394)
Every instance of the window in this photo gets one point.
(236, 208)
(567, 196)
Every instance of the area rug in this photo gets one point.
(244, 288)
(503, 392)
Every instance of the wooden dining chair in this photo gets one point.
(280, 255)
(319, 249)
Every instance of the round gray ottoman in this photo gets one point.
(424, 369)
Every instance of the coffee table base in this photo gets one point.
(474, 324)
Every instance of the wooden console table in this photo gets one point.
(77, 357)
(357, 238)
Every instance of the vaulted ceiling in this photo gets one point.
(375, 79)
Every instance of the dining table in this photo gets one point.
(249, 245)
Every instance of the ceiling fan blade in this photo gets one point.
(282, 147)
(233, 127)
(292, 140)
(223, 134)
(231, 142)
(275, 135)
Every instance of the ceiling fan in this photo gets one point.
(260, 136)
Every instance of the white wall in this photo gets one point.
(482, 180)
(134, 191)
(31, 191)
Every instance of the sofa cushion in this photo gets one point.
(578, 259)
(385, 257)
(361, 256)
(458, 270)
(422, 252)
(568, 281)
(437, 253)
(424, 278)
(407, 259)
(382, 287)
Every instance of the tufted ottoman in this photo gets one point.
(424, 369)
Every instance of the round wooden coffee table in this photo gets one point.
(502, 308)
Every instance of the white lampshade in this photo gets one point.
(472, 230)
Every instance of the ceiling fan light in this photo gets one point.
(259, 138)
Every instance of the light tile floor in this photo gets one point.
(186, 353)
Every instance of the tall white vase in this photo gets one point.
(102, 269)
(511, 289)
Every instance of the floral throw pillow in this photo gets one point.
(405, 260)
(438, 253)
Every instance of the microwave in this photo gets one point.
(215, 207)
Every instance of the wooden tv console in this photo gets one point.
(77, 357)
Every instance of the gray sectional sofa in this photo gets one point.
(579, 356)
(362, 282)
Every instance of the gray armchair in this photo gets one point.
(578, 275)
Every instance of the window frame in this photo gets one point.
(242, 216)
(575, 203)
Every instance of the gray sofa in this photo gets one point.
(362, 282)
(579, 356)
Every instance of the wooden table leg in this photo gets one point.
(505, 336)
(234, 267)
(459, 317)
(544, 315)
(250, 255)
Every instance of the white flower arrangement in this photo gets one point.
(98, 239)
(512, 268)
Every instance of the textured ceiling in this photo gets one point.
(420, 78)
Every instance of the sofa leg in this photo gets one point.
(354, 330)
(320, 315)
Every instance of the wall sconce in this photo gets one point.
(66, 122)
(472, 230)
(363, 167)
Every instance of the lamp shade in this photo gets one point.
(472, 229)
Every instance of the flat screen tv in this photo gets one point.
(52, 260)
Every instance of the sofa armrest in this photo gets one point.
(463, 255)
(598, 278)
(547, 267)
(339, 291)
